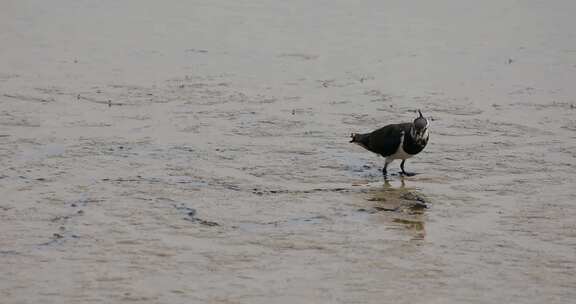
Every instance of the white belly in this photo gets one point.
(400, 153)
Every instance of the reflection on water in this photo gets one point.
(404, 204)
(416, 226)
(388, 186)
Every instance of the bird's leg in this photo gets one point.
(384, 171)
(404, 171)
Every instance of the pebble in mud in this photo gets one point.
(203, 222)
(191, 216)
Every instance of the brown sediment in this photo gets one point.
(201, 154)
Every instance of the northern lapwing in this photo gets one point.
(396, 141)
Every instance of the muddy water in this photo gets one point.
(197, 152)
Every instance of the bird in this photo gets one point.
(396, 141)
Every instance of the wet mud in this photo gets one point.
(197, 152)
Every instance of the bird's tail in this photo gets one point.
(354, 137)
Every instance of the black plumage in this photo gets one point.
(396, 141)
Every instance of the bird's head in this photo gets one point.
(420, 128)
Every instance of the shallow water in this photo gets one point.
(197, 151)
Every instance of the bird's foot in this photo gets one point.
(404, 173)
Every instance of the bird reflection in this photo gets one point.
(405, 205)
(388, 185)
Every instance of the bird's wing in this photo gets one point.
(385, 141)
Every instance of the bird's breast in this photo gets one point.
(413, 146)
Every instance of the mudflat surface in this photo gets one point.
(197, 152)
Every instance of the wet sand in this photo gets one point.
(197, 152)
